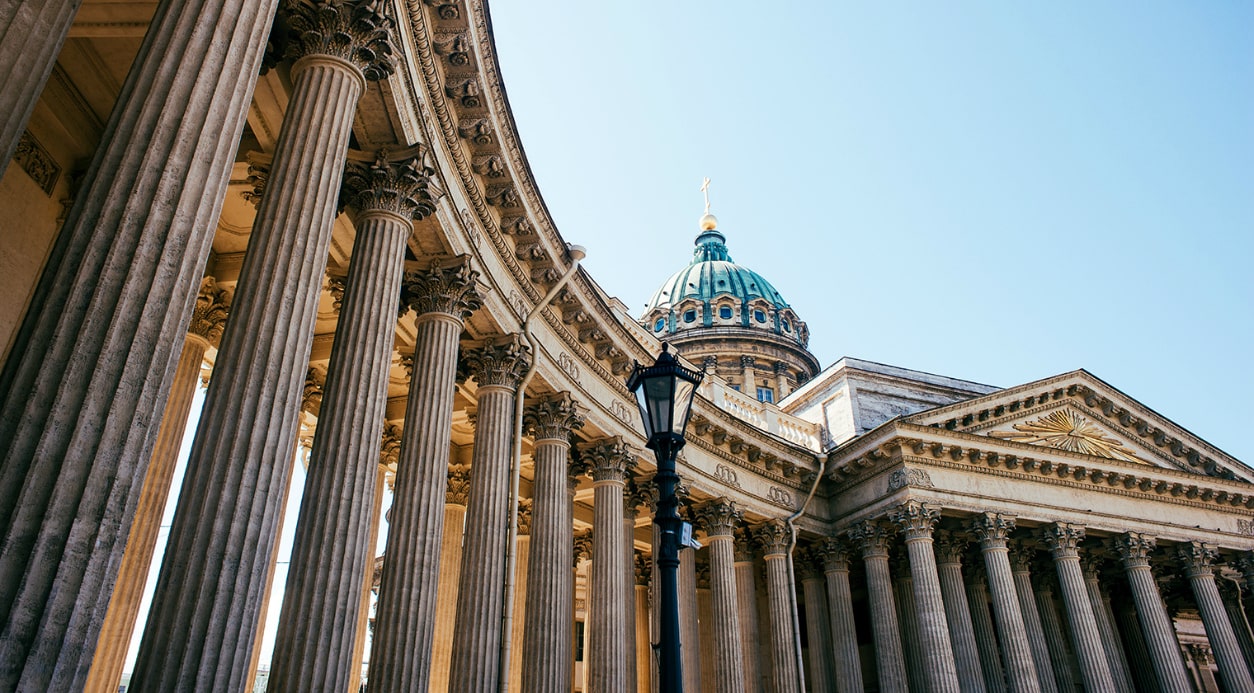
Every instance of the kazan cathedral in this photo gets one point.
(319, 213)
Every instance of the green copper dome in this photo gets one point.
(712, 274)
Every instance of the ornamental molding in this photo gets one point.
(37, 162)
(909, 476)
(1066, 429)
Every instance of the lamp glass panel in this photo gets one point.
(641, 402)
(658, 391)
(683, 403)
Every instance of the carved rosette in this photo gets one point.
(873, 537)
(834, 554)
(643, 568)
(950, 546)
(390, 446)
(400, 187)
(1198, 558)
(457, 492)
(499, 362)
(915, 520)
(553, 417)
(609, 459)
(524, 516)
(356, 31)
(719, 517)
(773, 537)
(992, 529)
(448, 288)
(582, 548)
(1134, 549)
(1062, 539)
(213, 305)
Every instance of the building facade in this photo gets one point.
(321, 210)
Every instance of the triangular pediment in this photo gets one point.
(1079, 413)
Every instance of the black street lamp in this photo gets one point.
(664, 392)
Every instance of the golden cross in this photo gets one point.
(705, 190)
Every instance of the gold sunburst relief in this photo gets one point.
(1067, 430)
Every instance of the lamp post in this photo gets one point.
(664, 392)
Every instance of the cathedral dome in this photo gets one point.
(722, 314)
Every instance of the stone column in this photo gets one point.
(774, 537)
(547, 646)
(87, 380)
(1055, 635)
(689, 622)
(581, 552)
(640, 631)
(874, 538)
(518, 623)
(318, 623)
(497, 365)
(719, 519)
(1143, 667)
(992, 530)
(611, 461)
(115, 635)
(400, 657)
(1160, 635)
(367, 583)
(31, 36)
(1089, 566)
(985, 635)
(705, 618)
(750, 384)
(809, 568)
(1063, 540)
(747, 609)
(1202, 659)
(633, 498)
(781, 380)
(908, 620)
(1230, 593)
(456, 495)
(240, 461)
(916, 521)
(1197, 559)
(847, 667)
(1021, 556)
(949, 549)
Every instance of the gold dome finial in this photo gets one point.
(709, 222)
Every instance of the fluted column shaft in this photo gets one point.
(631, 500)
(548, 647)
(705, 624)
(1110, 639)
(916, 521)
(1240, 625)
(958, 613)
(1197, 558)
(366, 585)
(606, 666)
(641, 624)
(985, 635)
(1055, 636)
(747, 612)
(83, 390)
(518, 622)
(31, 36)
(1143, 666)
(991, 530)
(818, 631)
(783, 646)
(242, 455)
(719, 518)
(318, 624)
(119, 623)
(908, 622)
(689, 623)
(874, 538)
(847, 667)
(1062, 538)
(1160, 636)
(1045, 671)
(498, 367)
(450, 572)
(400, 655)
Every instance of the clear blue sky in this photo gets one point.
(992, 191)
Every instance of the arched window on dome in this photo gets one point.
(690, 315)
(759, 315)
(659, 325)
(725, 312)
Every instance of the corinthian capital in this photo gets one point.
(773, 536)
(609, 459)
(390, 447)
(524, 516)
(1198, 558)
(402, 187)
(834, 554)
(718, 517)
(356, 31)
(915, 519)
(213, 304)
(1063, 539)
(950, 546)
(873, 537)
(457, 492)
(553, 417)
(447, 287)
(499, 362)
(1134, 548)
(992, 529)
